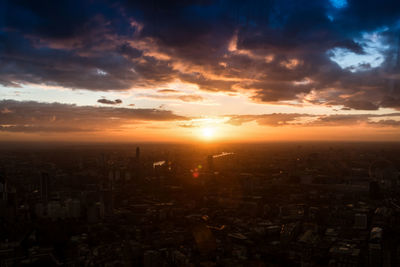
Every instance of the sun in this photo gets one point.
(208, 132)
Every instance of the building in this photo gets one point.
(210, 163)
(360, 221)
(375, 255)
(137, 153)
(45, 187)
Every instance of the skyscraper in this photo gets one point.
(137, 153)
(3, 186)
(44, 187)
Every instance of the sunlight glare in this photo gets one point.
(208, 133)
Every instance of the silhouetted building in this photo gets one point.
(344, 254)
(375, 255)
(3, 187)
(204, 238)
(210, 163)
(374, 189)
(107, 202)
(73, 208)
(44, 187)
(137, 153)
(360, 221)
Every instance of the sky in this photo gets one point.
(199, 70)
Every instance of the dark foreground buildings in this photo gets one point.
(175, 205)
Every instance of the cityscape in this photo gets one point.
(278, 204)
(200, 133)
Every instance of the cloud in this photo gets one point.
(274, 119)
(109, 102)
(167, 91)
(33, 116)
(188, 125)
(307, 120)
(364, 105)
(35, 129)
(190, 98)
(264, 47)
(174, 96)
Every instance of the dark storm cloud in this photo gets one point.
(109, 102)
(359, 119)
(55, 117)
(364, 105)
(281, 50)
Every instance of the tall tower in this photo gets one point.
(44, 187)
(3, 186)
(137, 153)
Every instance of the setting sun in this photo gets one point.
(208, 133)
